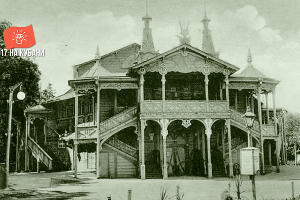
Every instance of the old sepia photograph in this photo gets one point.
(150, 99)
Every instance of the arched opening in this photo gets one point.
(153, 150)
(218, 149)
(185, 148)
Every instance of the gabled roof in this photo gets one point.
(191, 48)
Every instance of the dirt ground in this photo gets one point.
(63, 186)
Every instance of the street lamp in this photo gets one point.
(249, 120)
(20, 96)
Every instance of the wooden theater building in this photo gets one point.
(135, 112)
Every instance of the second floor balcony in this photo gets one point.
(182, 107)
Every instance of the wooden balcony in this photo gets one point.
(268, 130)
(185, 108)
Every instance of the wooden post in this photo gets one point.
(26, 143)
(98, 129)
(165, 167)
(76, 135)
(115, 101)
(206, 80)
(229, 148)
(227, 89)
(275, 131)
(293, 190)
(129, 194)
(203, 151)
(295, 153)
(17, 148)
(163, 84)
(236, 100)
(223, 146)
(267, 107)
(142, 148)
(260, 128)
(45, 132)
(208, 132)
(38, 165)
(270, 153)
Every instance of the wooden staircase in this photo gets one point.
(39, 153)
(122, 148)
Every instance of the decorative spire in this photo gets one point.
(249, 58)
(207, 43)
(184, 37)
(97, 55)
(147, 43)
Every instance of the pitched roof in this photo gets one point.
(115, 62)
(250, 71)
(194, 49)
(98, 71)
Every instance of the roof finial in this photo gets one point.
(97, 55)
(205, 14)
(249, 58)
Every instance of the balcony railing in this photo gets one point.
(268, 130)
(184, 106)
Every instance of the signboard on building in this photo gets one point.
(249, 160)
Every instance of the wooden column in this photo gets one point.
(221, 91)
(142, 149)
(98, 149)
(204, 151)
(38, 165)
(228, 127)
(141, 84)
(260, 129)
(93, 109)
(267, 107)
(165, 167)
(26, 143)
(76, 135)
(275, 131)
(223, 145)
(227, 90)
(115, 101)
(206, 80)
(236, 100)
(208, 132)
(163, 89)
(270, 153)
(45, 131)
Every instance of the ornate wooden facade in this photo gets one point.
(175, 113)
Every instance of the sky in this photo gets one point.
(70, 30)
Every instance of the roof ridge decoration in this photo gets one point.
(207, 42)
(184, 37)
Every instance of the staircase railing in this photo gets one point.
(39, 153)
(118, 144)
(118, 119)
(238, 117)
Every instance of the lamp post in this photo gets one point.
(20, 96)
(249, 120)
